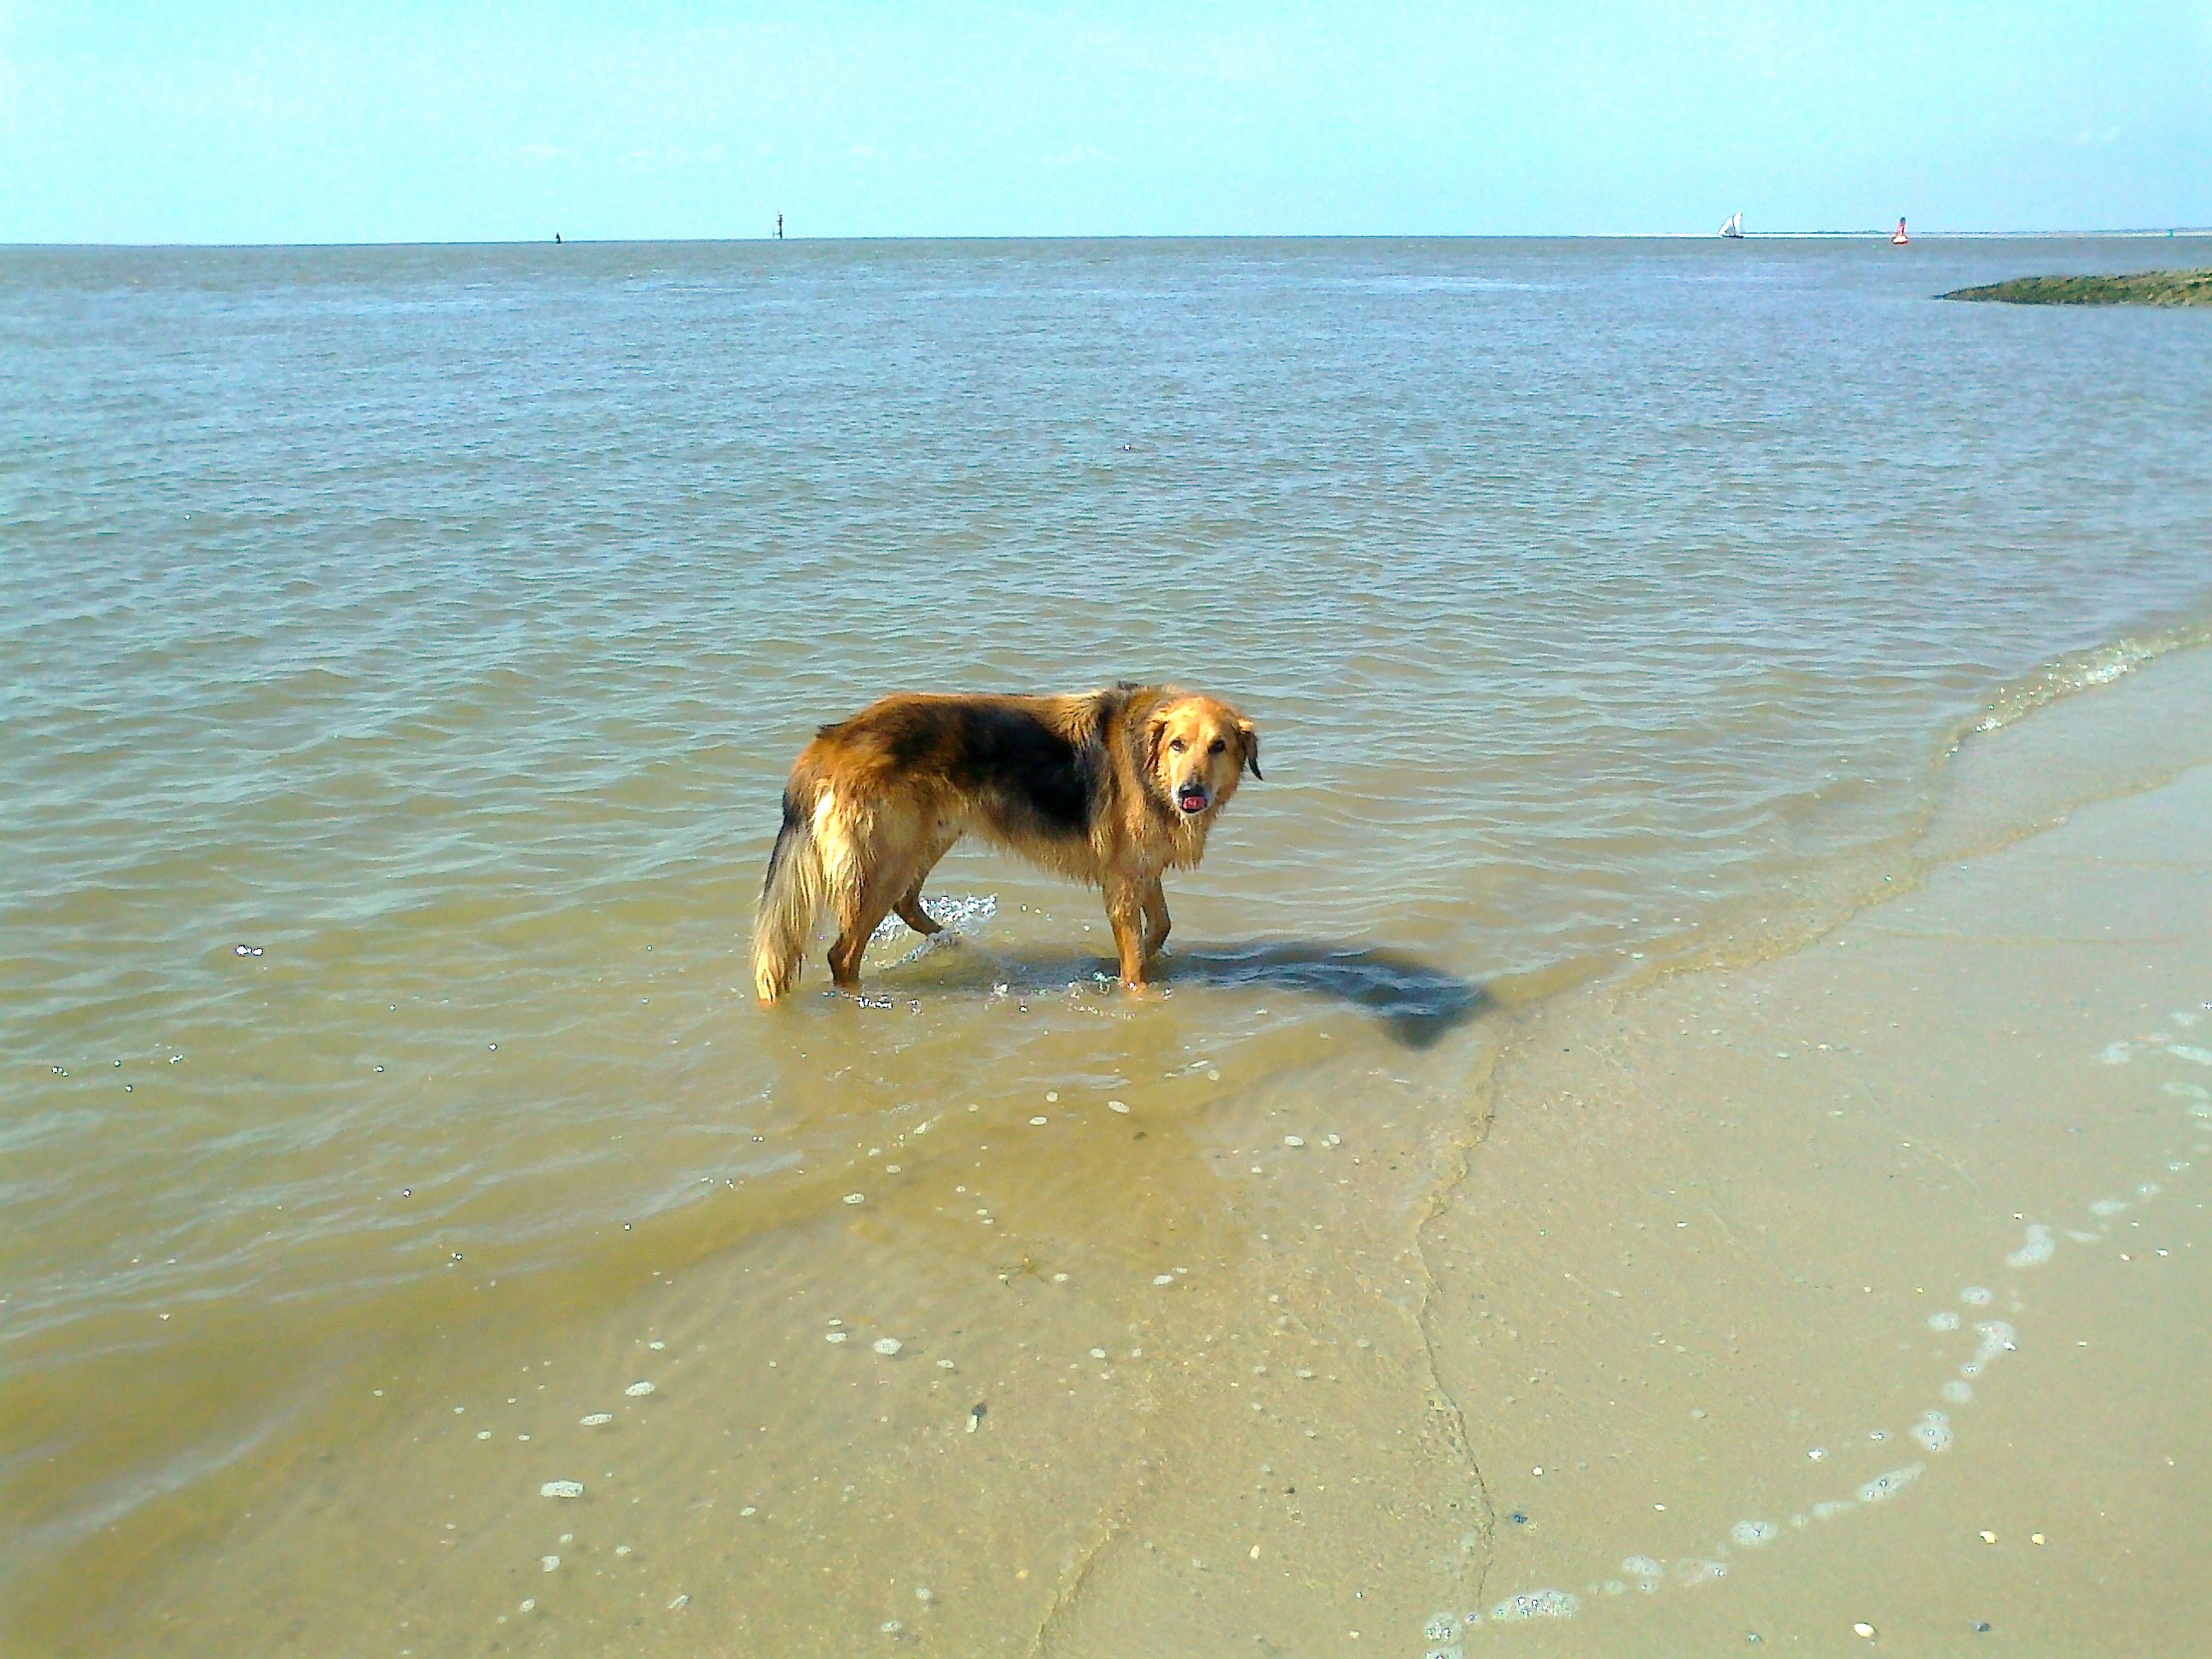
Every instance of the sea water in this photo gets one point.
(403, 648)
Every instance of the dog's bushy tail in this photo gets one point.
(791, 899)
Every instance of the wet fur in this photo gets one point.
(1085, 785)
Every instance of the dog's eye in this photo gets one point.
(1216, 746)
(1178, 746)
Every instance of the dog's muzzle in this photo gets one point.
(1191, 798)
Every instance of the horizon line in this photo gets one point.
(2115, 234)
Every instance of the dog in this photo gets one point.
(1112, 788)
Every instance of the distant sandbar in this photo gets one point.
(2141, 288)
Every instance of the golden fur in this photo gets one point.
(1112, 787)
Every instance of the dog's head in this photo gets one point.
(1199, 749)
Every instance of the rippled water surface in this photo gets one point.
(400, 651)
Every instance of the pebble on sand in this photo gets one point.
(856, 1198)
(561, 1489)
(1862, 1628)
(887, 1345)
(638, 1390)
(1294, 1140)
(1121, 1106)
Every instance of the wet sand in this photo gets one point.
(1863, 1285)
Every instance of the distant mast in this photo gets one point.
(1898, 238)
(1732, 226)
(779, 227)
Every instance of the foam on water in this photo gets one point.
(1537, 1604)
(2036, 1250)
(1933, 1431)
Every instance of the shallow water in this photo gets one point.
(402, 649)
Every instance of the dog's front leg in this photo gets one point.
(1125, 913)
(1156, 922)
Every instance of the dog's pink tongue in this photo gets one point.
(1193, 801)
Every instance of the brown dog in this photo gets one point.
(1111, 787)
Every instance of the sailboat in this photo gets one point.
(1898, 238)
(1732, 226)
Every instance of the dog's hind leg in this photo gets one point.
(909, 908)
(857, 924)
(1156, 922)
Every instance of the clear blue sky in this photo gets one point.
(247, 120)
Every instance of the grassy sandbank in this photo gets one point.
(2141, 287)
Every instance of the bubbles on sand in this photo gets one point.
(1997, 1340)
(1537, 1604)
(638, 1390)
(561, 1489)
(1441, 1628)
(596, 1419)
(1884, 1487)
(1933, 1431)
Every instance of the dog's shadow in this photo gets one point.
(1418, 1003)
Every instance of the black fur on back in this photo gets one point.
(1034, 779)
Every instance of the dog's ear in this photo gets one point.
(1248, 734)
